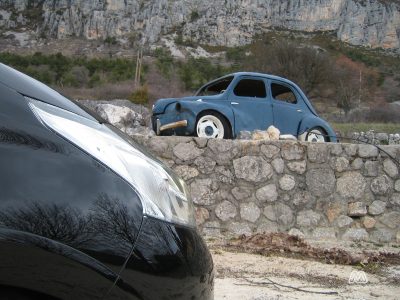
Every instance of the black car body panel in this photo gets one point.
(173, 254)
(70, 227)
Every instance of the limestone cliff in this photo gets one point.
(374, 23)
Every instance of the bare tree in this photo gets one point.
(310, 68)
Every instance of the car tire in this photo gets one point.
(316, 135)
(213, 125)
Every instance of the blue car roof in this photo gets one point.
(269, 76)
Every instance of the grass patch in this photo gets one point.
(346, 128)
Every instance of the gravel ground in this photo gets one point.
(246, 277)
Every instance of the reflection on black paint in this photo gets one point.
(111, 219)
(8, 136)
(60, 223)
(108, 221)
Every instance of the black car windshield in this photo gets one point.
(215, 88)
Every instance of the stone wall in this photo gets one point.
(321, 191)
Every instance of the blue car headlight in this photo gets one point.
(164, 195)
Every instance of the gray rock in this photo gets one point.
(244, 135)
(270, 151)
(269, 212)
(202, 190)
(371, 168)
(240, 228)
(211, 229)
(267, 226)
(377, 208)
(381, 185)
(186, 172)
(222, 151)
(187, 151)
(351, 185)
(356, 234)
(308, 218)
(335, 209)
(252, 169)
(249, 148)
(287, 183)
(390, 168)
(302, 198)
(205, 165)
(284, 214)
(225, 211)
(138, 130)
(397, 185)
(241, 193)
(367, 151)
(357, 209)
(357, 164)
(341, 164)
(202, 215)
(321, 182)
(298, 167)
(368, 222)
(350, 149)
(249, 212)
(201, 142)
(343, 221)
(391, 219)
(292, 151)
(221, 194)
(158, 145)
(324, 233)
(336, 149)
(279, 165)
(382, 137)
(223, 174)
(296, 232)
(267, 193)
(382, 235)
(395, 199)
(317, 152)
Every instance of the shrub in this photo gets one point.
(140, 96)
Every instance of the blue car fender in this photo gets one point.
(311, 122)
(192, 109)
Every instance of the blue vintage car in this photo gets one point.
(242, 101)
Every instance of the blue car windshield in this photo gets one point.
(215, 88)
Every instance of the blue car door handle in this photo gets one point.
(299, 110)
(234, 103)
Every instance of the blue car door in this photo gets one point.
(287, 106)
(250, 104)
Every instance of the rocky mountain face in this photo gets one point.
(374, 23)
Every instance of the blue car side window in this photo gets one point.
(283, 93)
(250, 88)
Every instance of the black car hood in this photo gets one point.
(30, 87)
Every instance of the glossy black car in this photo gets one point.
(84, 212)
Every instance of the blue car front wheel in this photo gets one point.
(212, 125)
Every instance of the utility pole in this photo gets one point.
(138, 71)
(360, 90)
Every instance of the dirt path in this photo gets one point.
(238, 274)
